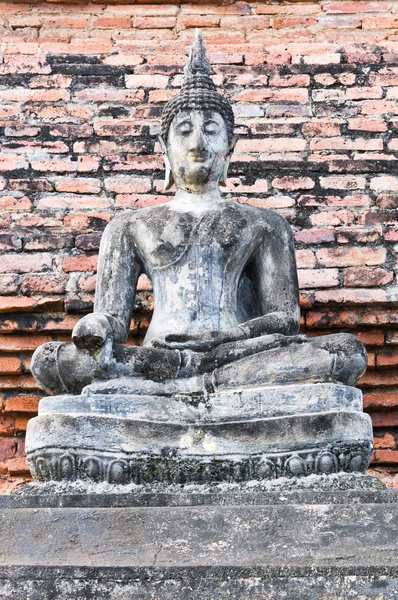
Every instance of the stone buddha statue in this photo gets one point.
(223, 388)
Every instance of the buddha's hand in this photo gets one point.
(91, 332)
(203, 342)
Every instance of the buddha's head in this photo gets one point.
(197, 136)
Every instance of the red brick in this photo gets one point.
(9, 203)
(154, 22)
(361, 235)
(370, 338)
(293, 22)
(384, 183)
(7, 448)
(321, 128)
(10, 365)
(22, 404)
(315, 236)
(387, 358)
(78, 185)
(18, 466)
(50, 81)
(7, 425)
(362, 277)
(305, 259)
(376, 400)
(380, 23)
(80, 263)
(342, 182)
(271, 145)
(385, 456)
(360, 124)
(299, 95)
(332, 217)
(112, 22)
(318, 278)
(340, 143)
(385, 441)
(128, 185)
(123, 60)
(48, 284)
(246, 22)
(110, 95)
(199, 21)
(9, 284)
(292, 183)
(22, 343)
(84, 164)
(379, 107)
(347, 257)
(26, 263)
(355, 7)
(117, 128)
(342, 296)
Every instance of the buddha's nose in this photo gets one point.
(199, 146)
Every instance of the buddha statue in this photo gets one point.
(224, 387)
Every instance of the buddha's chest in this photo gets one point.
(206, 242)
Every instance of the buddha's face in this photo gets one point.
(197, 148)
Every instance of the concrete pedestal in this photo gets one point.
(268, 545)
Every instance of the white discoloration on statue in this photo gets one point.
(225, 322)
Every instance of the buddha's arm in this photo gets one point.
(118, 270)
(274, 278)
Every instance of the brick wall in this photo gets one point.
(315, 89)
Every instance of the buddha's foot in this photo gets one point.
(259, 434)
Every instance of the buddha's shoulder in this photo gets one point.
(262, 218)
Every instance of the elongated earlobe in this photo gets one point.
(223, 178)
(168, 177)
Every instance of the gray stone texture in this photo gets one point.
(312, 545)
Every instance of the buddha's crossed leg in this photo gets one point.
(266, 360)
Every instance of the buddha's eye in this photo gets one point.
(184, 128)
(211, 127)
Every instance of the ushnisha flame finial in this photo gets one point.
(198, 61)
(198, 91)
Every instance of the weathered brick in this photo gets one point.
(342, 182)
(78, 185)
(314, 236)
(128, 185)
(80, 263)
(384, 183)
(9, 365)
(271, 145)
(72, 201)
(103, 94)
(8, 447)
(342, 296)
(28, 263)
(353, 256)
(362, 277)
(321, 128)
(299, 95)
(50, 284)
(113, 22)
(340, 143)
(154, 22)
(293, 183)
(22, 404)
(318, 278)
(333, 218)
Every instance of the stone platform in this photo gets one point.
(233, 435)
(200, 546)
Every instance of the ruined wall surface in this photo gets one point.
(315, 89)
